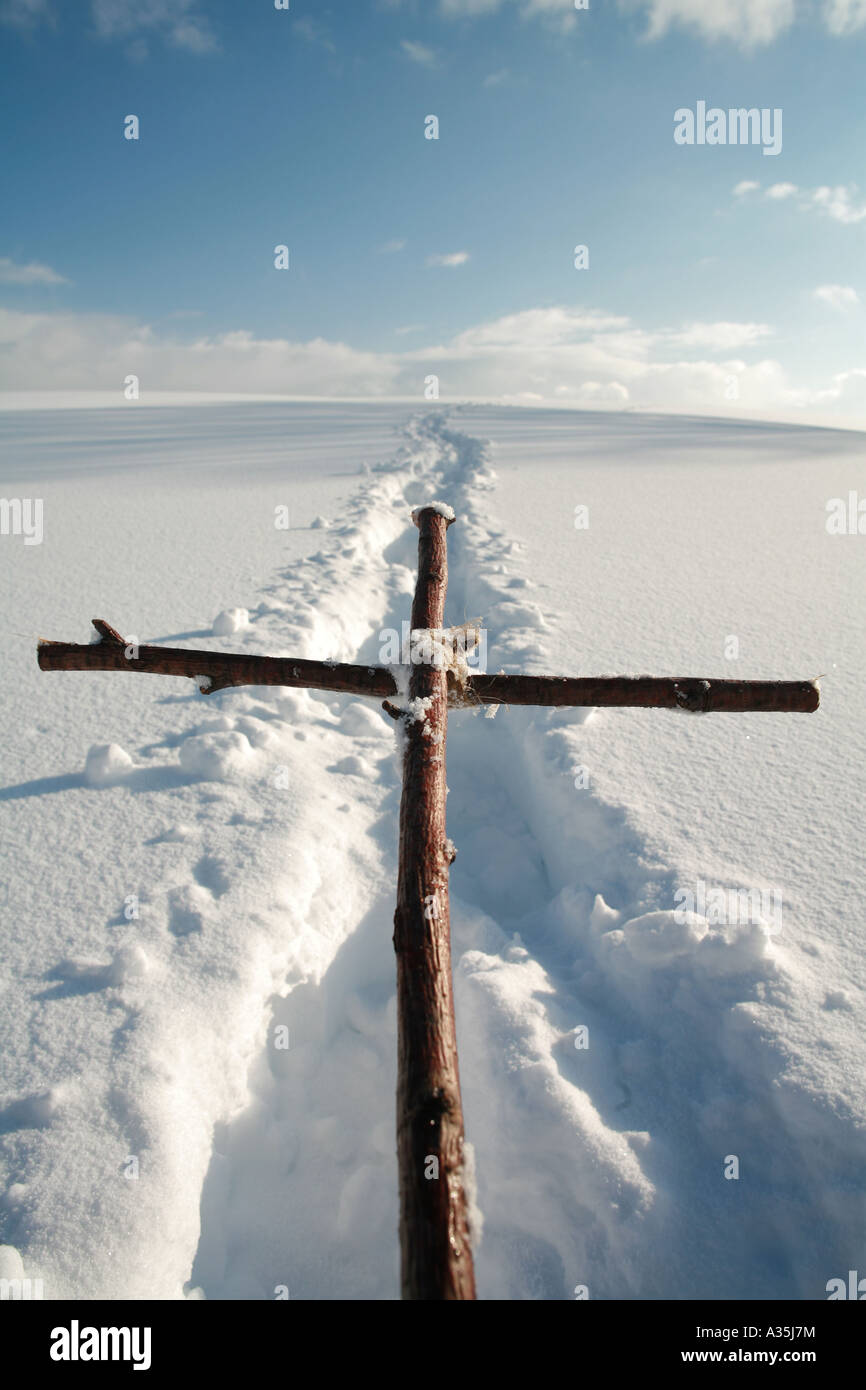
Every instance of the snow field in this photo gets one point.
(253, 836)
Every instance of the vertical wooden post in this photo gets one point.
(434, 1232)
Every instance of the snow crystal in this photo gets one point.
(416, 710)
(106, 764)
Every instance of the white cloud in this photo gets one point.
(547, 9)
(419, 53)
(585, 357)
(23, 13)
(845, 16)
(840, 297)
(848, 390)
(843, 400)
(495, 79)
(389, 247)
(563, 355)
(455, 258)
(747, 23)
(193, 34)
(179, 22)
(720, 337)
(539, 328)
(34, 273)
(314, 32)
(66, 350)
(473, 7)
(840, 202)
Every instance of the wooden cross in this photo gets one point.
(434, 1230)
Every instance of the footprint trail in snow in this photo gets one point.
(241, 1036)
(597, 1164)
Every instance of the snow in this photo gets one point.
(440, 508)
(197, 969)
(216, 756)
(230, 620)
(11, 1265)
(106, 763)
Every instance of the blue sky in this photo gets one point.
(720, 279)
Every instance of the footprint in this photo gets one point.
(30, 1112)
(188, 906)
(175, 834)
(212, 874)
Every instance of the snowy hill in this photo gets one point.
(166, 919)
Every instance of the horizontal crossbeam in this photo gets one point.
(220, 670)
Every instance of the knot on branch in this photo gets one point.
(694, 698)
(432, 1108)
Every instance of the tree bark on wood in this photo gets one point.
(695, 693)
(222, 669)
(434, 1230)
(225, 669)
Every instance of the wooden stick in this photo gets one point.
(434, 1230)
(221, 669)
(699, 695)
(224, 669)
